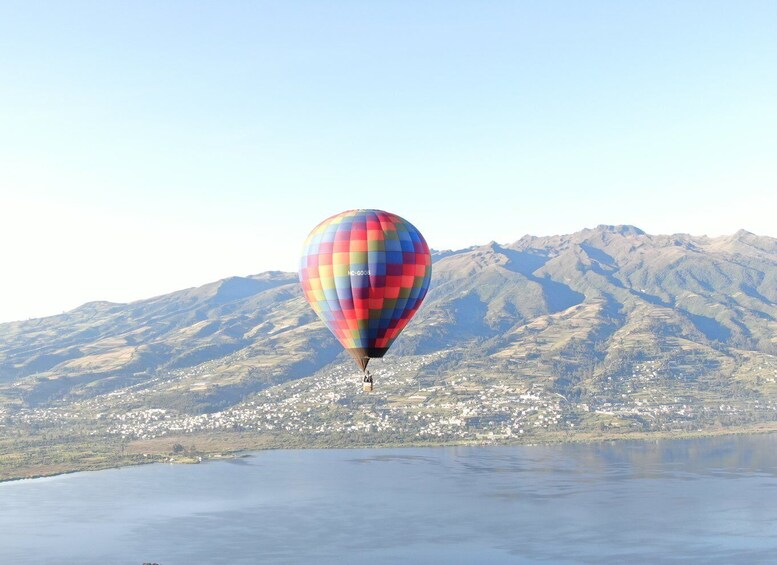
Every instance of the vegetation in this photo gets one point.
(605, 333)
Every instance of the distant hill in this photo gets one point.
(594, 317)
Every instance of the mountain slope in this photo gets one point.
(102, 346)
(605, 329)
(614, 287)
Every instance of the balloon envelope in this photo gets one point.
(365, 273)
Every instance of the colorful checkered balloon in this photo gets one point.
(365, 273)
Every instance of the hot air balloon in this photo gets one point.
(365, 273)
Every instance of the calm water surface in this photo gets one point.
(708, 500)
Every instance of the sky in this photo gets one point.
(150, 146)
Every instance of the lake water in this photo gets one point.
(705, 500)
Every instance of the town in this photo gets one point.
(462, 407)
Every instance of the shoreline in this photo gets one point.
(255, 446)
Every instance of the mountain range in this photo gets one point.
(605, 329)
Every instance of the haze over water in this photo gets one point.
(711, 500)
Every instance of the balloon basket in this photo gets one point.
(367, 387)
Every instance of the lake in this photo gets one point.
(712, 500)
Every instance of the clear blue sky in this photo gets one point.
(152, 146)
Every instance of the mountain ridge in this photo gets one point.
(623, 325)
(535, 263)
